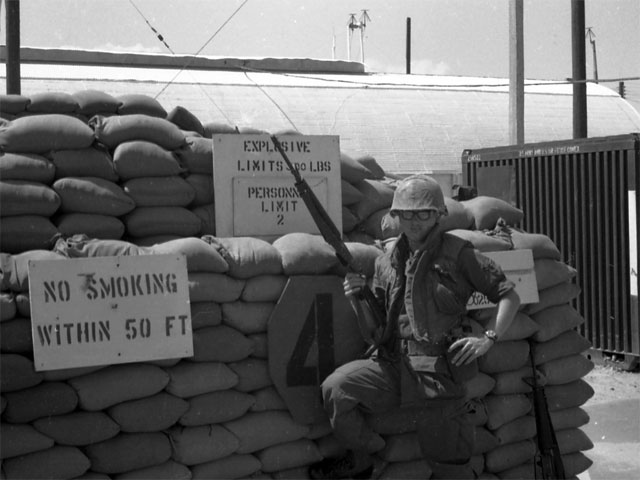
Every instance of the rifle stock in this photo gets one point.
(333, 237)
(548, 462)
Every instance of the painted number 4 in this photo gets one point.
(317, 331)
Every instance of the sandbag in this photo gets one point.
(486, 212)
(504, 356)
(220, 344)
(13, 103)
(22, 197)
(87, 162)
(168, 470)
(350, 194)
(572, 417)
(540, 244)
(95, 102)
(92, 225)
(42, 133)
(141, 159)
(551, 272)
(566, 369)
(259, 430)
(558, 294)
(14, 269)
(233, 466)
(402, 447)
(129, 451)
(149, 221)
(305, 254)
(78, 428)
(260, 345)
(206, 443)
(52, 102)
(567, 395)
(247, 317)
(266, 399)
(216, 407)
(190, 379)
(575, 464)
(508, 456)
(19, 440)
(572, 440)
(567, 343)
(364, 258)
(185, 120)
(118, 383)
(92, 195)
(114, 130)
(23, 305)
(253, 374)
(502, 409)
(522, 327)
(214, 287)
(23, 233)
(479, 386)
(200, 256)
(138, 103)
(55, 462)
(376, 196)
(202, 185)
(207, 216)
(482, 241)
(150, 414)
(372, 225)
(15, 336)
(521, 428)
(81, 246)
(485, 441)
(264, 288)
(555, 320)
(26, 166)
(247, 256)
(196, 155)
(67, 373)
(205, 314)
(289, 455)
(159, 191)
(351, 170)
(514, 381)
(413, 470)
(458, 217)
(8, 307)
(17, 373)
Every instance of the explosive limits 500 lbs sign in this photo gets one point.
(100, 311)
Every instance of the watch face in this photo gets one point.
(490, 334)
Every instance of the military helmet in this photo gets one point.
(419, 192)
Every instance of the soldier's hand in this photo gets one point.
(353, 283)
(469, 348)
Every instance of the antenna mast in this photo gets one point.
(359, 25)
(592, 39)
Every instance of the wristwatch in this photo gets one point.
(491, 335)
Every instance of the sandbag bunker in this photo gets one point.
(92, 176)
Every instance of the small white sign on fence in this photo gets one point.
(518, 267)
(108, 310)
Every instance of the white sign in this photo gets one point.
(255, 193)
(517, 266)
(107, 310)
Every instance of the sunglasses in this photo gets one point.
(411, 214)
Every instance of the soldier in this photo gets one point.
(426, 351)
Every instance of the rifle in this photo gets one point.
(333, 237)
(548, 462)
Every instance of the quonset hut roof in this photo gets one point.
(408, 123)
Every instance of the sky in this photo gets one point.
(448, 37)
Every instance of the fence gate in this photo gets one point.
(582, 194)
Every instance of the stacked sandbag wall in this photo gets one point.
(123, 168)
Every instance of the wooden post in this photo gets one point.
(579, 69)
(13, 46)
(408, 45)
(516, 73)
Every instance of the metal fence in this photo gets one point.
(582, 194)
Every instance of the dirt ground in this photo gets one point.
(610, 384)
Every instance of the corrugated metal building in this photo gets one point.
(408, 123)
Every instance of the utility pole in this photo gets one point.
(357, 25)
(13, 46)
(592, 39)
(579, 76)
(516, 73)
(408, 46)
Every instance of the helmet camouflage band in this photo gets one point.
(419, 192)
